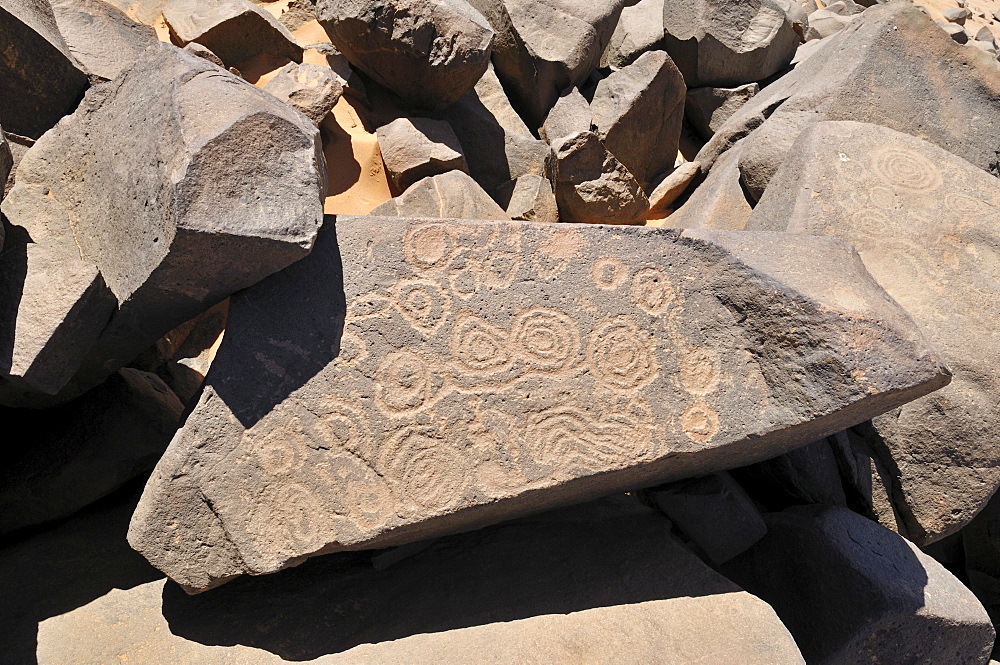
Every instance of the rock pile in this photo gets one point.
(286, 318)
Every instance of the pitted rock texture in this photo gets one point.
(102, 38)
(374, 393)
(180, 193)
(924, 222)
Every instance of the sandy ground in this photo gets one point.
(982, 13)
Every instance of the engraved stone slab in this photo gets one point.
(925, 223)
(412, 378)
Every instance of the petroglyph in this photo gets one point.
(906, 169)
(482, 363)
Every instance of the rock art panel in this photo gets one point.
(412, 378)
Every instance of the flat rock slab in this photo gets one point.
(555, 589)
(412, 378)
(925, 223)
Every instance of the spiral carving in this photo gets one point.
(426, 470)
(906, 169)
(546, 338)
(621, 357)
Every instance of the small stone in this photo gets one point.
(312, 89)
(531, 199)
(417, 148)
(235, 30)
(957, 14)
(719, 202)
(823, 23)
(671, 187)
(451, 194)
(592, 185)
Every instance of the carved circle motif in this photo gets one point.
(700, 371)
(427, 247)
(546, 338)
(608, 273)
(906, 169)
(280, 450)
(424, 304)
(621, 358)
(403, 382)
(700, 423)
(426, 470)
(301, 514)
(651, 291)
(480, 346)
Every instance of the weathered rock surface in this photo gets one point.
(719, 202)
(224, 188)
(429, 52)
(451, 194)
(851, 591)
(498, 146)
(892, 55)
(592, 186)
(235, 30)
(726, 43)
(708, 108)
(570, 115)
(79, 452)
(542, 48)
(53, 306)
(417, 148)
(640, 29)
(312, 89)
(637, 113)
(823, 23)
(403, 404)
(102, 38)
(555, 588)
(40, 81)
(924, 222)
(981, 557)
(531, 199)
(673, 186)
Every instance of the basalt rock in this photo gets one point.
(403, 404)
(102, 38)
(417, 148)
(451, 194)
(592, 185)
(312, 89)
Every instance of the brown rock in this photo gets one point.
(592, 186)
(531, 199)
(924, 223)
(312, 89)
(671, 187)
(469, 372)
(708, 108)
(451, 194)
(102, 38)
(417, 148)
(719, 202)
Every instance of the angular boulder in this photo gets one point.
(471, 371)
(40, 81)
(542, 48)
(429, 52)
(637, 113)
(592, 185)
(451, 194)
(924, 222)
(892, 55)
(850, 591)
(234, 30)
(726, 43)
(530, 198)
(719, 202)
(570, 114)
(640, 29)
(556, 588)
(102, 38)
(417, 148)
(312, 89)
(215, 185)
(76, 453)
(708, 108)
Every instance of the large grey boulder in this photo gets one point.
(640, 29)
(707, 109)
(76, 453)
(852, 592)
(498, 146)
(468, 372)
(102, 38)
(889, 57)
(234, 30)
(637, 113)
(544, 47)
(417, 148)
(924, 222)
(726, 43)
(556, 588)
(429, 52)
(182, 184)
(591, 185)
(40, 81)
(451, 194)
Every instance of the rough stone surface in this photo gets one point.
(714, 512)
(924, 222)
(53, 306)
(542, 48)
(429, 52)
(312, 89)
(81, 451)
(235, 30)
(417, 148)
(851, 592)
(981, 557)
(892, 55)
(637, 113)
(823, 23)
(531, 199)
(726, 43)
(569, 115)
(640, 29)
(708, 108)
(39, 80)
(498, 146)
(180, 193)
(671, 187)
(403, 404)
(556, 588)
(205, 53)
(451, 194)
(102, 38)
(592, 186)
(719, 202)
